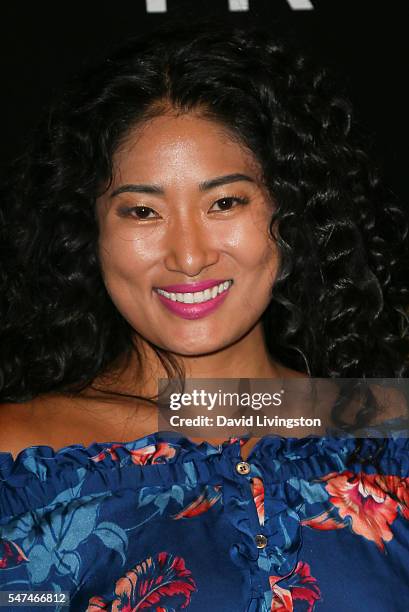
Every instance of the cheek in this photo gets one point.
(265, 269)
(124, 256)
(258, 251)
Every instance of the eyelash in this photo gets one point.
(127, 211)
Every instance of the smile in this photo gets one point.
(197, 304)
(198, 296)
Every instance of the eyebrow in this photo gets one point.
(205, 186)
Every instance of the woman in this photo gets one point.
(189, 161)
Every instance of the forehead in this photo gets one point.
(184, 144)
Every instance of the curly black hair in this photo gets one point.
(339, 305)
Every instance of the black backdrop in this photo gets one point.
(363, 41)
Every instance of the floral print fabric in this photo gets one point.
(163, 524)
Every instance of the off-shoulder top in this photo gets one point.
(164, 524)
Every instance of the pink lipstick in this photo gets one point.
(194, 300)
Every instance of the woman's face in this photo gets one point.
(186, 212)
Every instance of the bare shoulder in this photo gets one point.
(17, 423)
(58, 421)
(391, 401)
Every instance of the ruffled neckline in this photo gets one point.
(158, 447)
(186, 449)
(40, 476)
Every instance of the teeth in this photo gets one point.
(199, 296)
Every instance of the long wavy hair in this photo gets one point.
(339, 305)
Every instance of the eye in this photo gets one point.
(145, 213)
(137, 212)
(226, 204)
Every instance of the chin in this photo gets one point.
(194, 350)
(194, 347)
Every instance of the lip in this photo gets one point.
(193, 311)
(192, 287)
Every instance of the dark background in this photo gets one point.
(364, 42)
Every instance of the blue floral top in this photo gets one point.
(163, 524)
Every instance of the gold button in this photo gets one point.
(243, 467)
(261, 540)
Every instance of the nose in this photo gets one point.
(190, 247)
